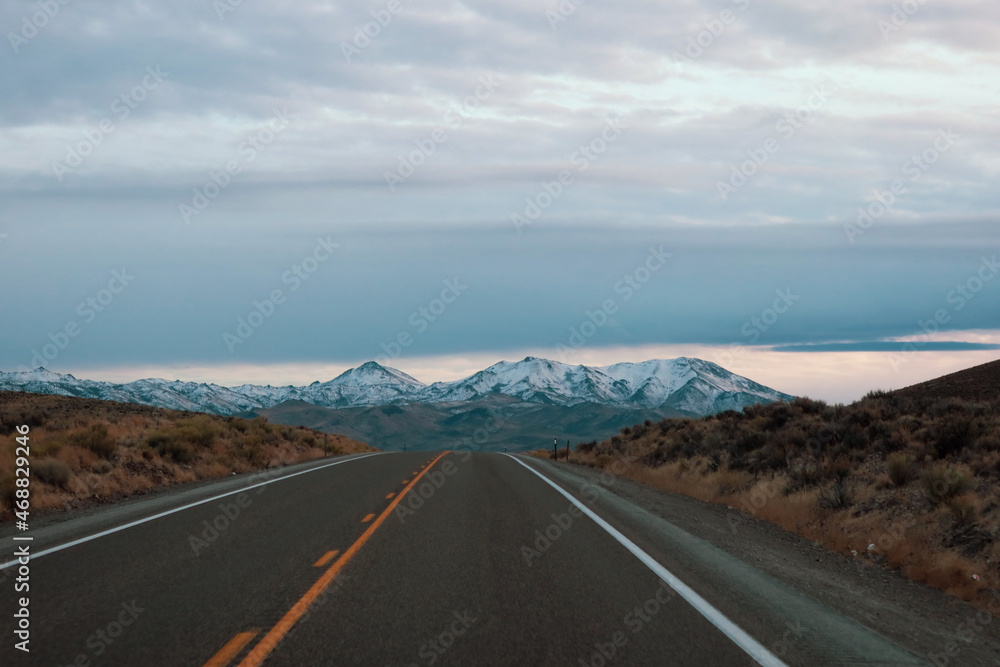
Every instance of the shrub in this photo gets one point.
(199, 431)
(52, 472)
(585, 447)
(963, 510)
(877, 394)
(774, 458)
(655, 458)
(953, 434)
(180, 452)
(750, 441)
(837, 496)
(900, 468)
(942, 482)
(855, 437)
(96, 439)
(808, 406)
(802, 475)
(170, 444)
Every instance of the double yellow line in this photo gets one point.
(278, 632)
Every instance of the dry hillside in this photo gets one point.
(907, 479)
(90, 451)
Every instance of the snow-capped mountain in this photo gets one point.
(688, 385)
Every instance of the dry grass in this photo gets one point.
(84, 450)
(907, 483)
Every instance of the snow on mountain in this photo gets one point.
(691, 385)
(368, 384)
(686, 384)
(161, 393)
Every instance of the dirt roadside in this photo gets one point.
(932, 625)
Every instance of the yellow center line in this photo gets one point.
(368, 517)
(275, 635)
(327, 557)
(389, 496)
(229, 651)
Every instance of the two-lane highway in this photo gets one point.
(416, 559)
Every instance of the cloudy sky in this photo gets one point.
(236, 191)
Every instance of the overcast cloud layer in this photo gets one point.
(525, 155)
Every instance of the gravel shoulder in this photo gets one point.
(932, 625)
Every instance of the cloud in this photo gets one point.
(885, 346)
(809, 112)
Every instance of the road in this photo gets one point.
(412, 559)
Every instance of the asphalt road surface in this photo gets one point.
(409, 559)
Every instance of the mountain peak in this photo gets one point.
(40, 374)
(373, 372)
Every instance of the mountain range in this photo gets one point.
(684, 384)
(508, 404)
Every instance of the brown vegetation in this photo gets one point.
(911, 482)
(85, 450)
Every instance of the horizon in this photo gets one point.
(300, 377)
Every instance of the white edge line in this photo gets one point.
(752, 647)
(109, 531)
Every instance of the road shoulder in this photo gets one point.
(924, 621)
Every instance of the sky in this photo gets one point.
(235, 191)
